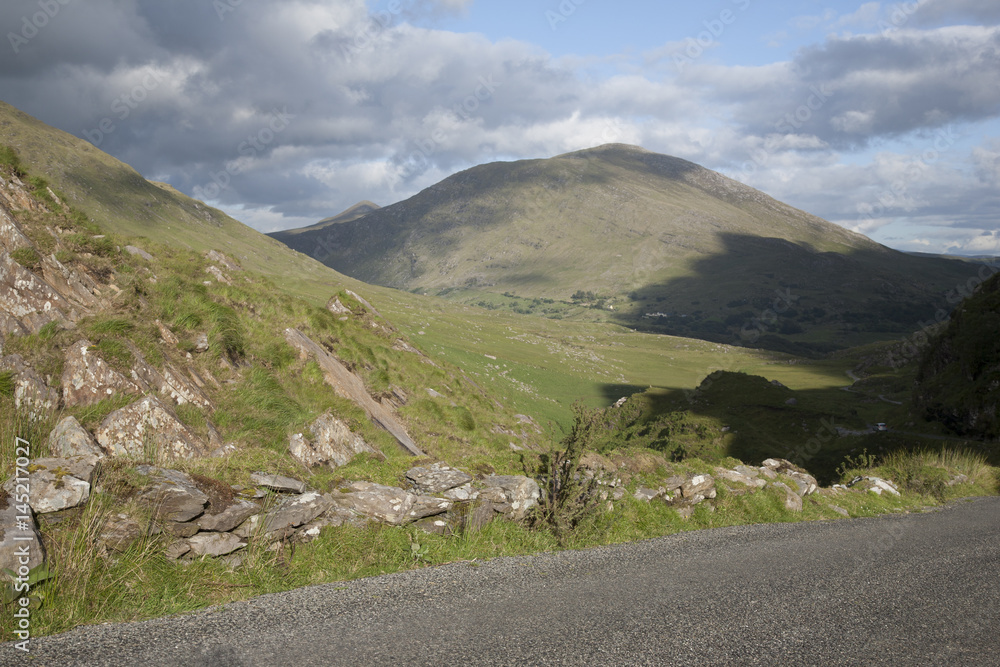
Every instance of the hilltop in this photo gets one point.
(651, 241)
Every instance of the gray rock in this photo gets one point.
(793, 501)
(201, 343)
(740, 478)
(69, 439)
(57, 484)
(120, 532)
(225, 261)
(840, 510)
(147, 427)
(436, 478)
(749, 471)
(697, 485)
(646, 494)
(229, 518)
(805, 483)
(15, 525)
(180, 529)
(138, 252)
(215, 544)
(876, 485)
(388, 504)
(29, 299)
(292, 512)
(332, 443)
(277, 483)
(461, 493)
(172, 494)
(522, 493)
(87, 379)
(177, 549)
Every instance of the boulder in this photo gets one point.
(69, 439)
(793, 501)
(172, 494)
(56, 483)
(138, 252)
(436, 478)
(229, 518)
(521, 493)
(388, 504)
(19, 536)
(332, 443)
(214, 544)
(461, 493)
(290, 513)
(277, 483)
(147, 427)
(698, 485)
(87, 379)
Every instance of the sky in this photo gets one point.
(883, 118)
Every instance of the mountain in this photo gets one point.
(304, 238)
(668, 245)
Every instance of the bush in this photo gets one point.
(568, 498)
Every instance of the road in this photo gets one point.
(904, 589)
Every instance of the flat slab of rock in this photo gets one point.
(214, 544)
(738, 477)
(57, 483)
(277, 483)
(436, 478)
(69, 438)
(646, 494)
(289, 514)
(388, 504)
(172, 494)
(229, 518)
(332, 442)
(29, 299)
(148, 426)
(87, 379)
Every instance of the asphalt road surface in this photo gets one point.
(903, 590)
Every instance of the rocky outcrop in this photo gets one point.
(69, 438)
(30, 391)
(388, 504)
(350, 386)
(805, 484)
(30, 300)
(277, 483)
(332, 443)
(87, 379)
(148, 427)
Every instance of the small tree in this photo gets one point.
(568, 497)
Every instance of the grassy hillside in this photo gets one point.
(646, 240)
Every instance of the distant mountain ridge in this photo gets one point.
(667, 244)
